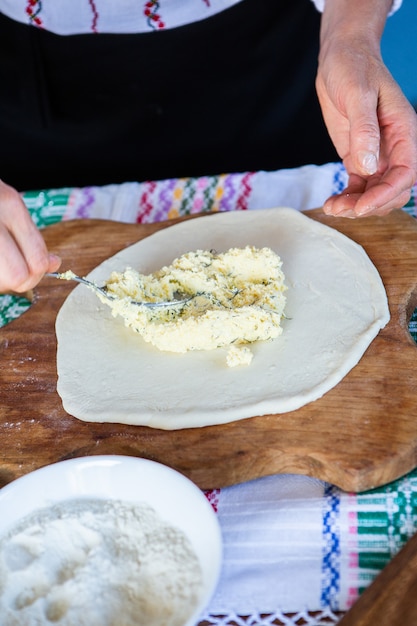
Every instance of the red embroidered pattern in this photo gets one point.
(242, 203)
(145, 201)
(153, 18)
(95, 15)
(212, 496)
(33, 9)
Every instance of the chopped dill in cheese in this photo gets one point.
(237, 298)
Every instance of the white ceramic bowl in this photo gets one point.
(173, 496)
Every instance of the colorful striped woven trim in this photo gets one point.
(178, 197)
(331, 553)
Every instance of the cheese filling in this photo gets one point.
(237, 297)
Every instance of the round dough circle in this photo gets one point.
(336, 305)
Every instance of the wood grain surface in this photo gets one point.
(361, 434)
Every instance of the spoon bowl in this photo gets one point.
(179, 298)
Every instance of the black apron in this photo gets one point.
(231, 93)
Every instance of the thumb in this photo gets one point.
(54, 262)
(364, 139)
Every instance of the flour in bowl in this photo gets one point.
(97, 563)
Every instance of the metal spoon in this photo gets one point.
(180, 298)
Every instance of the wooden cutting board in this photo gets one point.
(361, 434)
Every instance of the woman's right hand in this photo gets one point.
(24, 258)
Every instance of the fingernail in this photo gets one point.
(54, 258)
(368, 161)
(365, 211)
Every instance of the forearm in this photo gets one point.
(395, 5)
(355, 22)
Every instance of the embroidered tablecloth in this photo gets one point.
(293, 545)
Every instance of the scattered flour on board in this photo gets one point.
(97, 563)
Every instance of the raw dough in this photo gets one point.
(336, 305)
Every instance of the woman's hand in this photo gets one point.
(370, 121)
(24, 258)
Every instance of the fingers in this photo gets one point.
(377, 196)
(345, 205)
(364, 136)
(390, 186)
(24, 258)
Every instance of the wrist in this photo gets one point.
(395, 5)
(354, 25)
